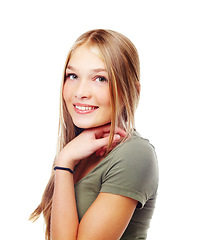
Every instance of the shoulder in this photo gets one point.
(136, 149)
(133, 166)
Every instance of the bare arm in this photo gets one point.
(109, 211)
(64, 219)
(107, 218)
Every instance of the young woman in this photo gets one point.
(105, 175)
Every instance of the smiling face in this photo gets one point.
(86, 89)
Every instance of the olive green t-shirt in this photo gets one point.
(130, 170)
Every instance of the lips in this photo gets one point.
(85, 108)
(82, 108)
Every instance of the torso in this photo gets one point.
(130, 170)
(85, 166)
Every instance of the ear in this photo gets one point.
(138, 87)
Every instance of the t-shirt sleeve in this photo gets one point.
(132, 171)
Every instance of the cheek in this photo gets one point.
(103, 96)
(106, 99)
(65, 93)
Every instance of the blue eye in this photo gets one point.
(71, 76)
(100, 79)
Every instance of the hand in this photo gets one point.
(85, 144)
(100, 152)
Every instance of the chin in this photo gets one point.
(86, 126)
(89, 125)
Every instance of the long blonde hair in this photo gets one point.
(122, 64)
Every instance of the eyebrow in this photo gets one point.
(92, 70)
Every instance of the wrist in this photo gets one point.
(65, 163)
(63, 169)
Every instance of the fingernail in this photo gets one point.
(117, 137)
(102, 153)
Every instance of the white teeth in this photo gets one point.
(84, 108)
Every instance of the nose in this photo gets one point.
(83, 90)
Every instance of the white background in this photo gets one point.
(35, 38)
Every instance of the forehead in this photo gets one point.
(86, 57)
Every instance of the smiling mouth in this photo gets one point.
(85, 108)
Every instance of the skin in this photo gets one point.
(87, 89)
(87, 86)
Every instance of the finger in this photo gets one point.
(103, 142)
(98, 152)
(104, 131)
(101, 151)
(120, 131)
(116, 138)
(106, 134)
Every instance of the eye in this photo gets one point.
(71, 76)
(100, 79)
